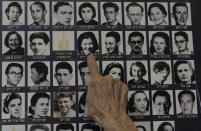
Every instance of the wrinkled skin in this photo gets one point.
(107, 100)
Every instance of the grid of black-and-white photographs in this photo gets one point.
(148, 45)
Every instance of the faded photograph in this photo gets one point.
(138, 103)
(164, 126)
(39, 105)
(158, 13)
(38, 13)
(13, 13)
(39, 43)
(111, 13)
(88, 13)
(63, 13)
(182, 43)
(159, 43)
(13, 74)
(162, 102)
(112, 43)
(134, 13)
(64, 104)
(64, 73)
(161, 72)
(115, 69)
(186, 102)
(137, 72)
(13, 127)
(88, 43)
(13, 105)
(38, 74)
(184, 72)
(180, 13)
(136, 43)
(13, 43)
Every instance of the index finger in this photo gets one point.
(92, 65)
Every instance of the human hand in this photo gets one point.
(107, 100)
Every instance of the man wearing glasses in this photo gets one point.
(136, 42)
(14, 72)
(134, 13)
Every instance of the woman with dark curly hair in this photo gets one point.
(115, 70)
(87, 43)
(138, 104)
(13, 105)
(87, 12)
(159, 43)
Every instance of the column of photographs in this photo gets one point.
(148, 45)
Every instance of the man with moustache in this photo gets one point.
(136, 42)
(65, 103)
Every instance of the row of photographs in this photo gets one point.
(71, 73)
(40, 43)
(141, 126)
(43, 105)
(96, 13)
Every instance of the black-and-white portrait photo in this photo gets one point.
(180, 13)
(64, 73)
(39, 127)
(138, 103)
(83, 109)
(13, 43)
(136, 43)
(39, 43)
(159, 43)
(182, 42)
(38, 74)
(134, 13)
(13, 12)
(137, 72)
(39, 105)
(111, 13)
(162, 102)
(13, 127)
(87, 42)
(89, 127)
(13, 105)
(64, 104)
(84, 74)
(161, 72)
(13, 74)
(63, 40)
(164, 126)
(184, 72)
(115, 69)
(186, 102)
(112, 43)
(87, 13)
(63, 13)
(65, 127)
(143, 125)
(158, 13)
(38, 13)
